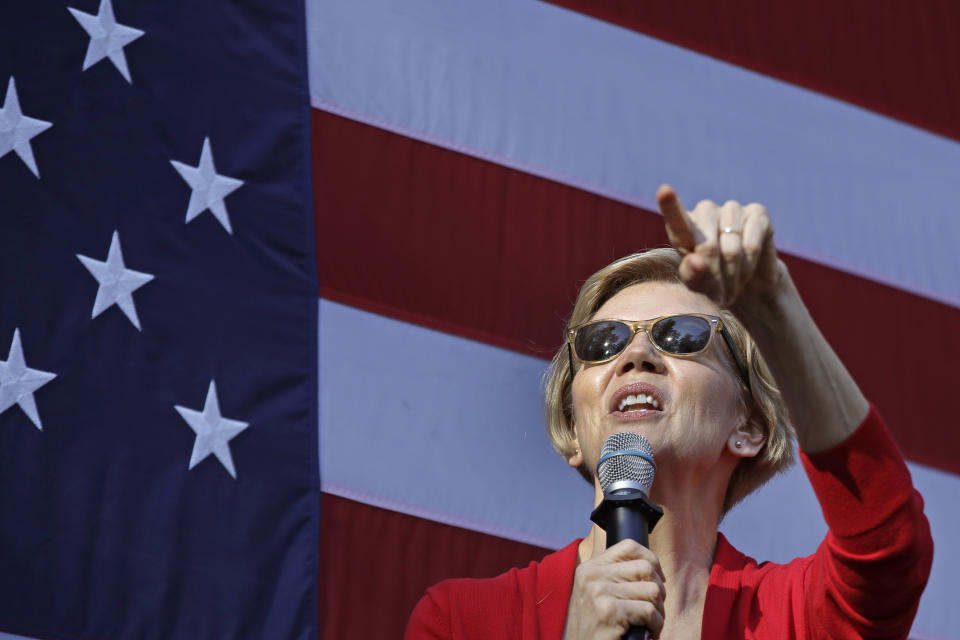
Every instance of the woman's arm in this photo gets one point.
(825, 404)
(740, 269)
(865, 580)
(876, 558)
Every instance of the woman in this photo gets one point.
(697, 388)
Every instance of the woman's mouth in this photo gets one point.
(636, 400)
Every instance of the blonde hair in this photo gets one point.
(760, 402)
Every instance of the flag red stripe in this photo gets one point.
(429, 235)
(375, 564)
(889, 57)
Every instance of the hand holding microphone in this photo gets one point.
(614, 591)
(619, 593)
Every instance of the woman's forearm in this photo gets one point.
(825, 403)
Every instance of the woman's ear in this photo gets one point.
(575, 458)
(745, 442)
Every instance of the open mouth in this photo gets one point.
(638, 398)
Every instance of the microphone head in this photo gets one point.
(626, 463)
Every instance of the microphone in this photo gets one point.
(626, 471)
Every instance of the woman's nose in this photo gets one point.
(640, 354)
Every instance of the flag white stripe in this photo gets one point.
(449, 428)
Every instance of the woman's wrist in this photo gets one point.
(770, 312)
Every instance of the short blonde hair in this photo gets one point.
(761, 402)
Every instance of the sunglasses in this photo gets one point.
(680, 335)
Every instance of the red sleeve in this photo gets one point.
(428, 620)
(866, 578)
(469, 609)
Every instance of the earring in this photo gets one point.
(738, 445)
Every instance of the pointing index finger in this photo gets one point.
(678, 222)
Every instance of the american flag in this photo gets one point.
(158, 311)
(465, 165)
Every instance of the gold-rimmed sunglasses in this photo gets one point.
(680, 335)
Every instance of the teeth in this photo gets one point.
(640, 399)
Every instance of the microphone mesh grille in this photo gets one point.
(626, 465)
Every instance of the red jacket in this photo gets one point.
(864, 581)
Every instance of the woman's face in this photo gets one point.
(697, 407)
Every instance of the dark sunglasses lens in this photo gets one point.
(681, 334)
(601, 340)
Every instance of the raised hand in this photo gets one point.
(728, 251)
(728, 255)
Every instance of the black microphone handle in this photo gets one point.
(628, 515)
(626, 522)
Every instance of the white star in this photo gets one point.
(209, 188)
(214, 432)
(107, 37)
(16, 129)
(117, 283)
(18, 382)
